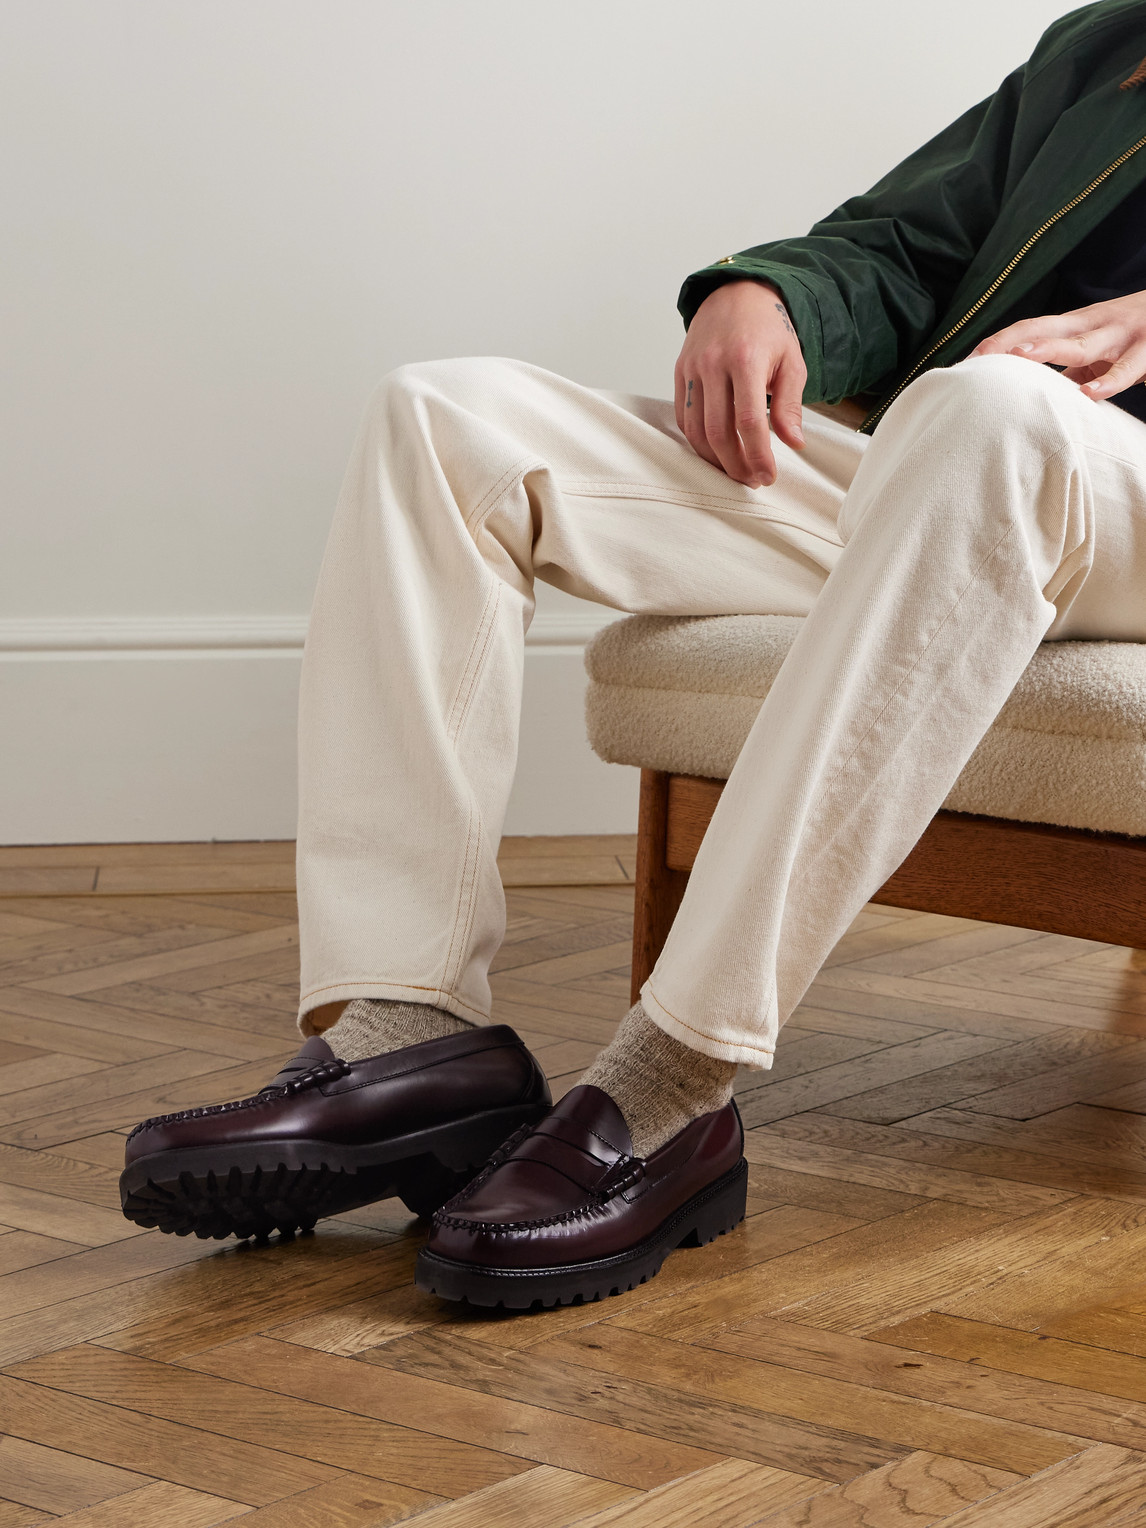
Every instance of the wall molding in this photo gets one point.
(109, 636)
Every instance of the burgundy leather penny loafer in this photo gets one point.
(326, 1135)
(565, 1212)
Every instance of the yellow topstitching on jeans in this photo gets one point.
(468, 877)
(468, 888)
(768, 1050)
(695, 500)
(474, 665)
(461, 890)
(488, 501)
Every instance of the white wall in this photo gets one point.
(227, 218)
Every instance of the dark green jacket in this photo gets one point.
(965, 234)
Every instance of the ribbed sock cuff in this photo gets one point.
(373, 1026)
(658, 1084)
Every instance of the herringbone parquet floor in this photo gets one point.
(935, 1313)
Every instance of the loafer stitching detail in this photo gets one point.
(326, 1071)
(634, 1171)
(498, 1227)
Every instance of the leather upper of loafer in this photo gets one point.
(318, 1097)
(569, 1189)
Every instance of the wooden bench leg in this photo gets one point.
(659, 889)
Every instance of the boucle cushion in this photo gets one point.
(680, 693)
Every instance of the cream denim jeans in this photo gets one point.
(995, 506)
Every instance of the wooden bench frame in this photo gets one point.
(1056, 880)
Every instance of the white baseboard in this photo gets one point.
(183, 728)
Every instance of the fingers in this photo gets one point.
(787, 401)
(1101, 347)
(690, 417)
(750, 422)
(740, 346)
(725, 416)
(720, 430)
(678, 396)
(1082, 374)
(1030, 331)
(1103, 358)
(1129, 368)
(1072, 350)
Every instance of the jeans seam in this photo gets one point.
(767, 1050)
(497, 491)
(607, 488)
(383, 981)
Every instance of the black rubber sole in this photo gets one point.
(255, 1188)
(717, 1209)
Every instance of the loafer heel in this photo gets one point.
(723, 1212)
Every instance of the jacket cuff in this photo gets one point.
(798, 299)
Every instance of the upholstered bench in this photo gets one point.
(1045, 827)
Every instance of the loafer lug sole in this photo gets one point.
(712, 1212)
(255, 1187)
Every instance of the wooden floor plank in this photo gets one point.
(25, 1249)
(921, 1281)
(1038, 1063)
(540, 1498)
(254, 1473)
(159, 1505)
(29, 1209)
(1102, 1488)
(455, 1417)
(650, 1409)
(326, 1433)
(59, 1482)
(44, 1068)
(1054, 1009)
(94, 956)
(64, 881)
(13, 1515)
(184, 880)
(730, 1495)
(879, 1069)
(869, 1251)
(193, 949)
(853, 1409)
(1095, 1370)
(203, 1294)
(882, 1366)
(728, 1260)
(966, 1142)
(55, 1174)
(921, 1490)
(349, 1501)
(849, 1166)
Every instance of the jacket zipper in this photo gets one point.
(873, 419)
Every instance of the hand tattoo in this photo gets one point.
(688, 400)
(783, 312)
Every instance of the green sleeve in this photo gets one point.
(865, 286)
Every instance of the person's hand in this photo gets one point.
(1102, 347)
(740, 347)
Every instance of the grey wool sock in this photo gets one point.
(658, 1084)
(371, 1026)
